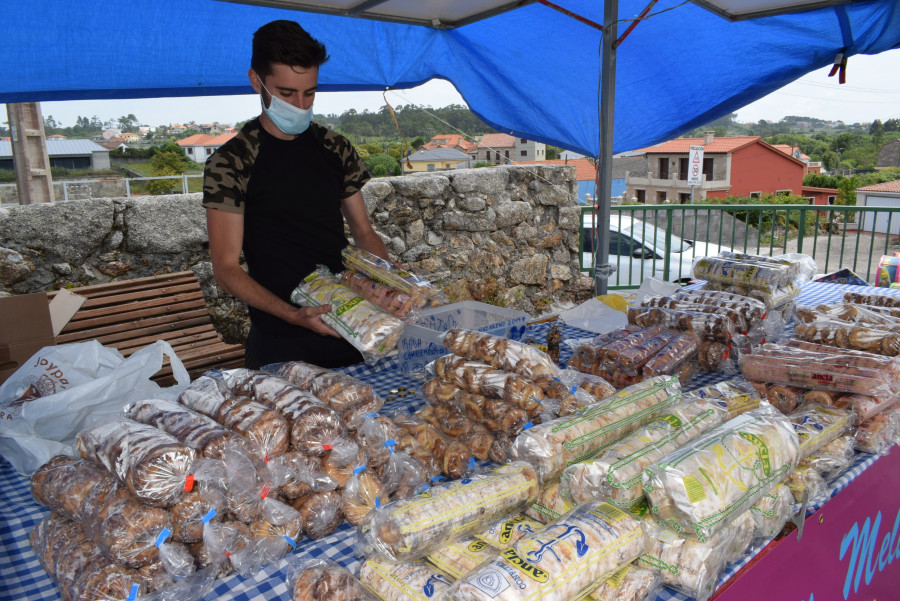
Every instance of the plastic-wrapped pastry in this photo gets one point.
(551, 446)
(341, 392)
(736, 317)
(562, 561)
(371, 330)
(397, 303)
(809, 481)
(865, 407)
(876, 300)
(700, 487)
(257, 422)
(743, 533)
(409, 581)
(425, 293)
(321, 513)
(784, 398)
(221, 542)
(749, 272)
(615, 474)
(196, 430)
(629, 583)
(123, 529)
(753, 310)
(458, 558)
(403, 476)
(832, 458)
(189, 516)
(301, 474)
(734, 396)
(851, 336)
(508, 530)
(411, 528)
(323, 580)
(550, 504)
(772, 512)
(372, 435)
(453, 456)
(686, 564)
(79, 569)
(153, 465)
(672, 357)
(501, 353)
(360, 495)
(817, 425)
(205, 395)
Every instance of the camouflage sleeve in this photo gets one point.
(227, 172)
(355, 174)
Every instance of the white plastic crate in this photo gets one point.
(421, 343)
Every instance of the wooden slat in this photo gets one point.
(147, 283)
(198, 336)
(124, 297)
(130, 308)
(165, 323)
(134, 319)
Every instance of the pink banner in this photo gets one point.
(847, 551)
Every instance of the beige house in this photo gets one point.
(436, 159)
(503, 149)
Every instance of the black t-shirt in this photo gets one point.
(290, 193)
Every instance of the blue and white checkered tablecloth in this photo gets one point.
(21, 576)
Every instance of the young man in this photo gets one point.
(279, 191)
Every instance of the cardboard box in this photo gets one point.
(28, 323)
(421, 342)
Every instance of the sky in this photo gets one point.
(872, 92)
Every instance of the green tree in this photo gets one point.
(128, 122)
(169, 159)
(381, 165)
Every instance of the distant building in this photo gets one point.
(176, 129)
(502, 149)
(880, 195)
(131, 137)
(794, 151)
(889, 155)
(436, 159)
(200, 147)
(452, 141)
(111, 133)
(71, 154)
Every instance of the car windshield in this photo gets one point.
(653, 236)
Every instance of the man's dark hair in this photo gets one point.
(287, 43)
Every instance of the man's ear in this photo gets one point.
(255, 81)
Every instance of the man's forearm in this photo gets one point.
(238, 282)
(372, 243)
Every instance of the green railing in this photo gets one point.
(835, 236)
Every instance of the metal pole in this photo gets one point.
(602, 269)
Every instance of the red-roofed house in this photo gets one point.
(452, 141)
(200, 147)
(794, 151)
(880, 195)
(502, 149)
(736, 166)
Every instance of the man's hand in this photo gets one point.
(309, 318)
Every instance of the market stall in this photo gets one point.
(852, 535)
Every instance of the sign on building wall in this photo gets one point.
(695, 166)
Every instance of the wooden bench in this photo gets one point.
(130, 314)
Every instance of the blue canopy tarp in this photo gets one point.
(531, 71)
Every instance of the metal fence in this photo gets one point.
(85, 189)
(662, 240)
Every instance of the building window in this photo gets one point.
(431, 166)
(190, 150)
(810, 200)
(832, 199)
(523, 153)
(682, 168)
(523, 140)
(708, 171)
(208, 151)
(641, 196)
(664, 168)
(684, 198)
(756, 195)
(506, 153)
(661, 197)
(782, 192)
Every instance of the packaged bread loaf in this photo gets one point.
(122, 527)
(411, 528)
(700, 487)
(72, 560)
(200, 432)
(508, 530)
(257, 422)
(371, 330)
(877, 300)
(205, 395)
(877, 435)
(153, 465)
(424, 292)
(562, 561)
(742, 534)
(397, 303)
(407, 581)
(321, 579)
(748, 272)
(553, 445)
(833, 457)
(772, 512)
(550, 503)
(853, 336)
(459, 557)
(816, 425)
(631, 582)
(615, 474)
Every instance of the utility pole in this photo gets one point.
(29, 145)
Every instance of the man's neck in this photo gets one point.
(273, 129)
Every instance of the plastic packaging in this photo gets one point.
(615, 475)
(200, 432)
(410, 528)
(501, 353)
(372, 331)
(81, 572)
(403, 475)
(296, 474)
(832, 458)
(360, 495)
(751, 271)
(350, 397)
(550, 504)
(734, 396)
(425, 293)
(321, 513)
(708, 326)
(323, 580)
(553, 445)
(205, 395)
(397, 303)
(507, 530)
(818, 424)
(453, 456)
(877, 435)
(852, 336)
(408, 581)
(807, 480)
(189, 516)
(772, 512)
(562, 561)
(628, 583)
(742, 535)
(255, 421)
(700, 487)
(153, 465)
(458, 558)
(876, 300)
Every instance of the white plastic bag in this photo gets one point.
(63, 389)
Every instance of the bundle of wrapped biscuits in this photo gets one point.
(553, 445)
(615, 474)
(566, 559)
(349, 397)
(370, 329)
(423, 292)
(629, 583)
(628, 355)
(404, 581)
(399, 304)
(700, 487)
(322, 579)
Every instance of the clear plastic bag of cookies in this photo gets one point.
(816, 425)
(198, 431)
(772, 512)
(317, 579)
(396, 302)
(509, 529)
(501, 353)
(424, 292)
(320, 512)
(630, 582)
(458, 558)
(550, 503)
(406, 581)
(832, 458)
(361, 494)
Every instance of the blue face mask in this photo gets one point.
(286, 117)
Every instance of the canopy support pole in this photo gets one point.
(602, 269)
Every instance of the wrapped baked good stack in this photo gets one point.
(421, 292)
(373, 331)
(631, 354)
(773, 280)
(349, 397)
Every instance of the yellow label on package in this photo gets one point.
(694, 489)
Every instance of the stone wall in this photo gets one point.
(505, 235)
